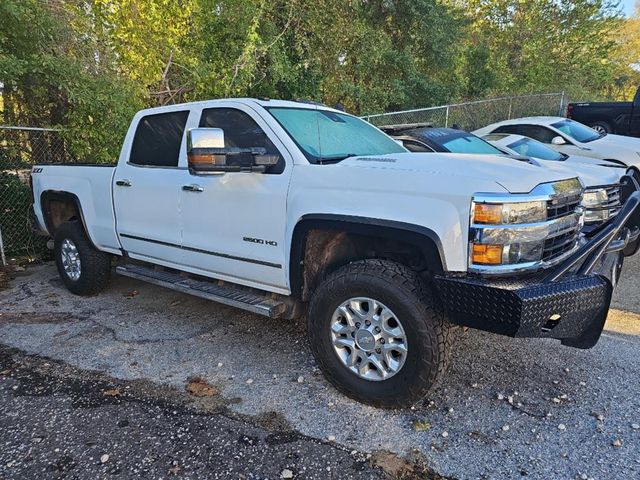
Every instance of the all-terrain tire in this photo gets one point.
(95, 266)
(428, 332)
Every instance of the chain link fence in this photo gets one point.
(20, 148)
(472, 115)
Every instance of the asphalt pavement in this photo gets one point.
(507, 409)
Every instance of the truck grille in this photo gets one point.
(564, 241)
(557, 246)
(561, 208)
(614, 203)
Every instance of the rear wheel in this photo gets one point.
(601, 127)
(377, 333)
(83, 269)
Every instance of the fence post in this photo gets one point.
(510, 105)
(446, 117)
(4, 260)
(561, 104)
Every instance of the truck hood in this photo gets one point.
(513, 176)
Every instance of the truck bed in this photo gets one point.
(614, 116)
(91, 185)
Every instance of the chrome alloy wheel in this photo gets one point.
(600, 129)
(368, 338)
(70, 259)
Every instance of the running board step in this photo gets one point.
(227, 295)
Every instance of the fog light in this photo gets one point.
(487, 254)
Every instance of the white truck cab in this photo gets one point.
(290, 209)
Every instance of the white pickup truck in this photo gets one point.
(290, 209)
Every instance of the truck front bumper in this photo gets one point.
(569, 302)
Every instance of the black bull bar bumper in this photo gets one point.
(568, 302)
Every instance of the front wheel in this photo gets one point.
(378, 334)
(83, 269)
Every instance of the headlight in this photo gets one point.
(595, 202)
(507, 234)
(509, 213)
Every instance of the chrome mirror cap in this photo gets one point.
(205, 138)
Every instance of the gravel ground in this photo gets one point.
(509, 408)
(86, 425)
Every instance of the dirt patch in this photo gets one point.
(413, 467)
(199, 387)
(272, 421)
(619, 321)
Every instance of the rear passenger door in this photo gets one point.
(146, 188)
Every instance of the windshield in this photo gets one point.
(325, 136)
(577, 131)
(534, 148)
(470, 144)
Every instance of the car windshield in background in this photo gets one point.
(326, 136)
(533, 148)
(470, 144)
(577, 131)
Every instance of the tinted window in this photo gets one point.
(470, 144)
(240, 130)
(414, 146)
(158, 138)
(533, 148)
(577, 131)
(542, 134)
(507, 129)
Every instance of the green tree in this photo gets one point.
(538, 45)
(53, 74)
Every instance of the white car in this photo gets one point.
(600, 181)
(572, 138)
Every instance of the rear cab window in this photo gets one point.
(158, 138)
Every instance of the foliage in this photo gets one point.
(87, 65)
(539, 45)
(53, 73)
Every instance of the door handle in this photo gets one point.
(192, 188)
(123, 183)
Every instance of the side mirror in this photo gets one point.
(206, 153)
(558, 141)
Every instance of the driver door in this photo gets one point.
(233, 223)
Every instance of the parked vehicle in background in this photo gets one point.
(521, 145)
(288, 209)
(572, 138)
(424, 138)
(602, 196)
(621, 118)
